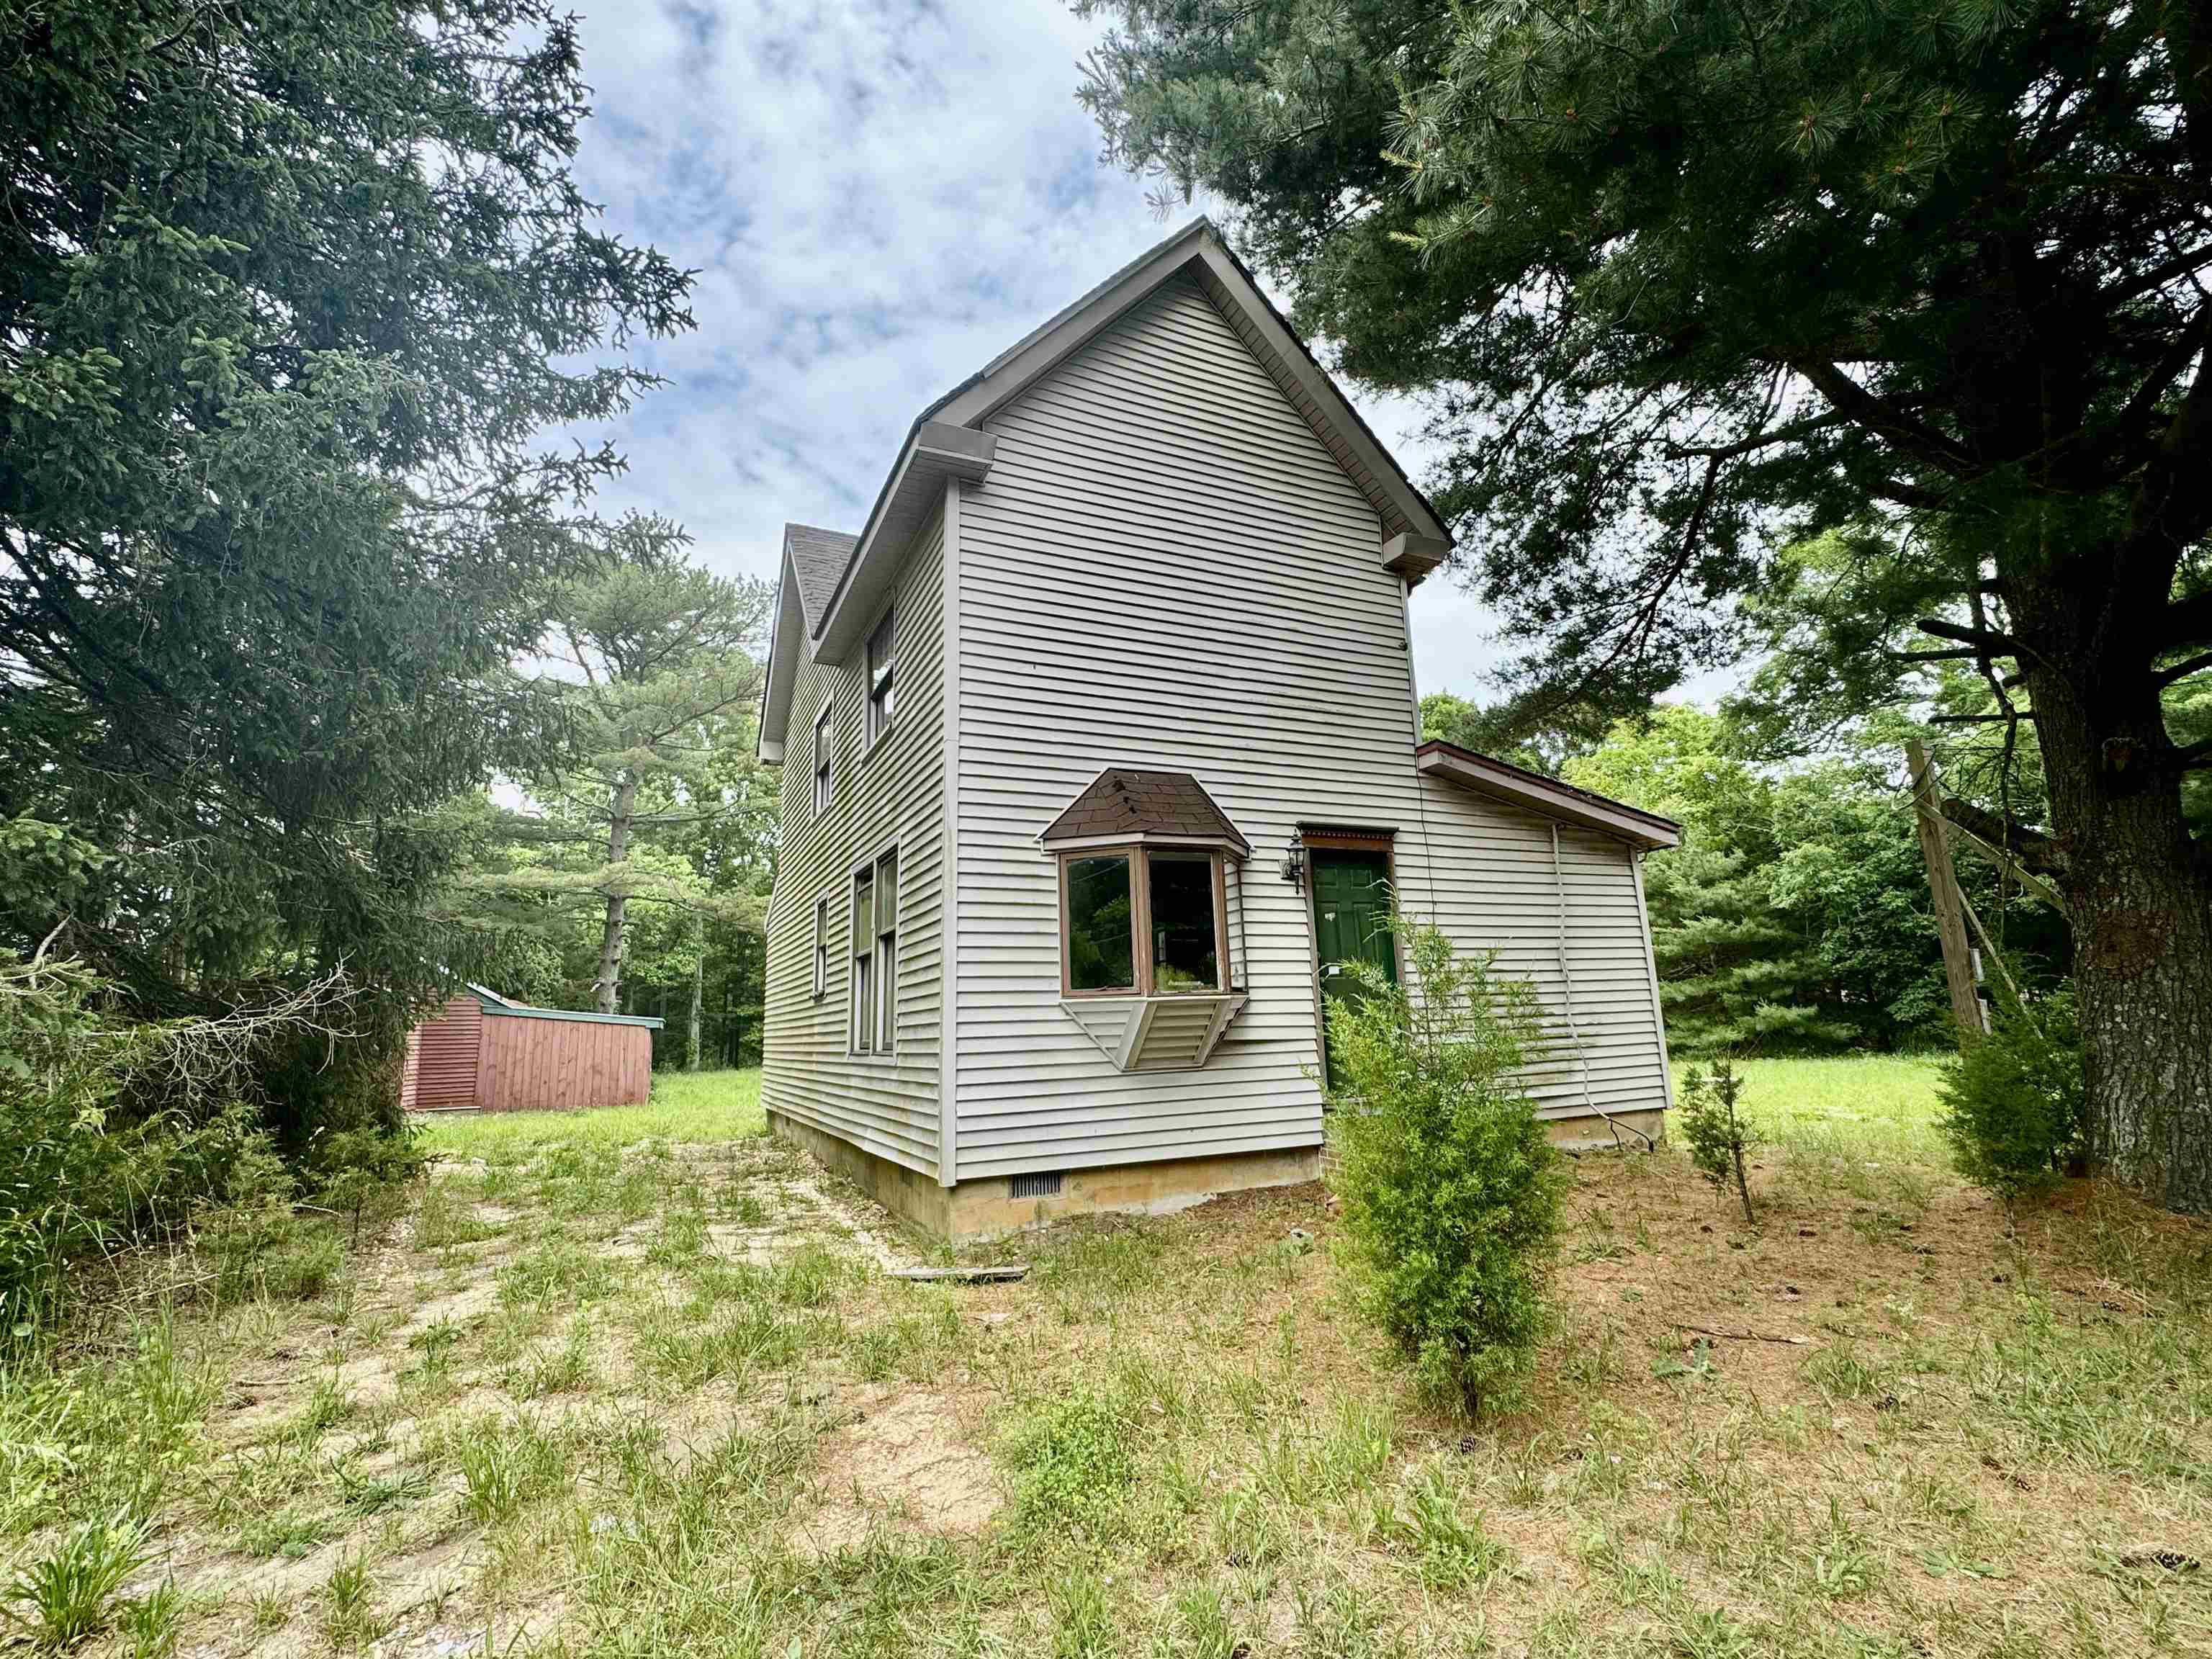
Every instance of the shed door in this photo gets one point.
(1351, 918)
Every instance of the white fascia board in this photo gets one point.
(936, 450)
(786, 632)
(1548, 799)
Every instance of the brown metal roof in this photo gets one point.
(1123, 804)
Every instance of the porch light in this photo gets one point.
(1294, 862)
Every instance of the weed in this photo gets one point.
(1453, 1551)
(1073, 1463)
(350, 1618)
(70, 1594)
(1083, 1623)
(149, 1624)
(506, 1465)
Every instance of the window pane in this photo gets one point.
(887, 892)
(887, 994)
(1186, 955)
(864, 911)
(1098, 946)
(879, 651)
(863, 1003)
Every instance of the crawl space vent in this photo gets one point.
(1043, 1185)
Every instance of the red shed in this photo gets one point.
(482, 1053)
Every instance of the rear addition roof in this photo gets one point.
(1501, 781)
(1124, 804)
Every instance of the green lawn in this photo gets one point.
(690, 1107)
(1876, 1105)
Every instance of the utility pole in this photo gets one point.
(1943, 885)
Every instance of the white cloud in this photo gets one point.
(877, 198)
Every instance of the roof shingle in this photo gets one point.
(818, 558)
(1123, 802)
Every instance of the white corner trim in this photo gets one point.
(948, 855)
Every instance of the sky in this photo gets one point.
(877, 198)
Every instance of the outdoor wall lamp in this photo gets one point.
(1294, 862)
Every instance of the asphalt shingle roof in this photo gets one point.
(1123, 802)
(818, 557)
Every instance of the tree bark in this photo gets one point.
(608, 986)
(698, 992)
(2140, 891)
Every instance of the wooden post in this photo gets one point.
(1943, 885)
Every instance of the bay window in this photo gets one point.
(1143, 921)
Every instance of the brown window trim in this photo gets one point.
(1139, 857)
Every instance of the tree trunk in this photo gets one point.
(698, 992)
(2141, 894)
(609, 983)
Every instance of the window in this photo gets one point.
(1099, 956)
(874, 1011)
(822, 755)
(821, 948)
(881, 662)
(864, 960)
(1179, 910)
(1141, 923)
(887, 952)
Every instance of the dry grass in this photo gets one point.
(604, 1396)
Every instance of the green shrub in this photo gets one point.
(2012, 1103)
(1450, 1191)
(1718, 1135)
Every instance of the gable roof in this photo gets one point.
(1122, 805)
(946, 442)
(817, 559)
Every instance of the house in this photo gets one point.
(1102, 755)
(483, 1052)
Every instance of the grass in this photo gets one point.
(633, 1383)
(692, 1107)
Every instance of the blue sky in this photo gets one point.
(878, 197)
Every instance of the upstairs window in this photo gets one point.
(874, 1013)
(1142, 921)
(822, 778)
(881, 665)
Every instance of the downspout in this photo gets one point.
(1574, 1032)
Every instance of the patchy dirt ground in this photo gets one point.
(653, 1397)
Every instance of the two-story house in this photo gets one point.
(1101, 754)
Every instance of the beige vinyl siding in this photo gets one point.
(1493, 888)
(1166, 569)
(886, 1105)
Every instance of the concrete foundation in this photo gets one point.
(987, 1207)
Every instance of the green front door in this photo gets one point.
(1351, 919)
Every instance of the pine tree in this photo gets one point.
(1688, 285)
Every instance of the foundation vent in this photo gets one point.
(1042, 1184)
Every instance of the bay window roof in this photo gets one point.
(1124, 806)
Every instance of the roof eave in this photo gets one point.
(1547, 797)
(934, 450)
(786, 631)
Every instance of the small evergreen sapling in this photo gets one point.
(1718, 1134)
(1451, 1191)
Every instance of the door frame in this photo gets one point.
(1341, 838)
